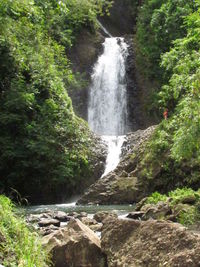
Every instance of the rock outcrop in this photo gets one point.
(83, 55)
(137, 93)
(75, 245)
(96, 161)
(122, 17)
(123, 185)
(152, 243)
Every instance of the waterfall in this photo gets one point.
(104, 29)
(107, 109)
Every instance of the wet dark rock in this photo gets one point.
(137, 115)
(61, 216)
(83, 55)
(137, 215)
(48, 230)
(47, 222)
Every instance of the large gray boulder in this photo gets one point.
(75, 246)
(131, 243)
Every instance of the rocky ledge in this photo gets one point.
(152, 243)
(124, 184)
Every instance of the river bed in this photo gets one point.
(121, 210)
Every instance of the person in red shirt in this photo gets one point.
(165, 114)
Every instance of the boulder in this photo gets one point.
(61, 216)
(35, 218)
(150, 243)
(92, 224)
(102, 215)
(48, 230)
(158, 211)
(75, 245)
(88, 221)
(96, 227)
(47, 222)
(82, 214)
(73, 214)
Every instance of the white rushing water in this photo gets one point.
(114, 150)
(107, 110)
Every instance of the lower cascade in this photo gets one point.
(107, 110)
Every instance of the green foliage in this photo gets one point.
(180, 193)
(18, 245)
(159, 23)
(175, 143)
(176, 196)
(156, 197)
(187, 215)
(44, 147)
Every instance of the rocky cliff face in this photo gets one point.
(122, 18)
(124, 184)
(138, 176)
(83, 55)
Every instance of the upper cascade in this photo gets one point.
(107, 110)
(104, 29)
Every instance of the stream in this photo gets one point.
(121, 210)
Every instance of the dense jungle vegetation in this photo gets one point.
(168, 44)
(44, 147)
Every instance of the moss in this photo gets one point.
(19, 246)
(125, 183)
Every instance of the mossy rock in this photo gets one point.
(125, 183)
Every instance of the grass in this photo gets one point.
(19, 246)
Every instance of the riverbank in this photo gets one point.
(146, 236)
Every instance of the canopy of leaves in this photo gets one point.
(177, 140)
(159, 23)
